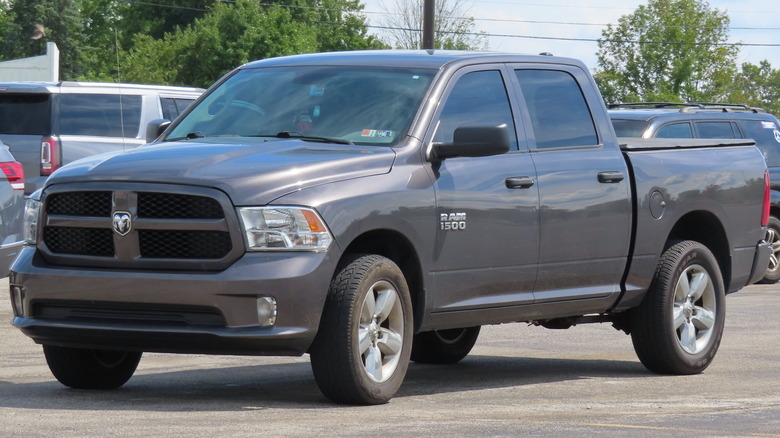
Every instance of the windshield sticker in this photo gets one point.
(768, 125)
(377, 133)
(777, 135)
(317, 90)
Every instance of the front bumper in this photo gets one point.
(174, 311)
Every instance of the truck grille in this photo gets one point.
(140, 228)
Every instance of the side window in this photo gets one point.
(715, 130)
(675, 130)
(102, 115)
(477, 99)
(169, 110)
(183, 104)
(559, 114)
(766, 134)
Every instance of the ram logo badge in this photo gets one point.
(122, 223)
(452, 221)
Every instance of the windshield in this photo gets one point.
(363, 105)
(629, 128)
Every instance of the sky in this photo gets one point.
(587, 19)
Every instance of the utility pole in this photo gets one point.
(429, 12)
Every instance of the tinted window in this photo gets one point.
(25, 114)
(715, 130)
(477, 99)
(171, 108)
(559, 114)
(100, 115)
(767, 137)
(675, 130)
(629, 128)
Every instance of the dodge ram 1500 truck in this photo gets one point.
(372, 208)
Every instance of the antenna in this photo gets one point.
(119, 84)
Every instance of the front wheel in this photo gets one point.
(678, 326)
(772, 274)
(444, 346)
(91, 369)
(361, 352)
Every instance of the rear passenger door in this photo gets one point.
(583, 183)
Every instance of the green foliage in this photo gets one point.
(757, 85)
(63, 25)
(669, 50)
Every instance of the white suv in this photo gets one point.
(47, 125)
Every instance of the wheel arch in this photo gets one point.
(705, 228)
(398, 248)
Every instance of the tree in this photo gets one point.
(453, 29)
(757, 85)
(61, 20)
(669, 50)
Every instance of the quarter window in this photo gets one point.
(559, 114)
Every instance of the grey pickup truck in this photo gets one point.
(376, 208)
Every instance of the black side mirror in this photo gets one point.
(155, 128)
(474, 141)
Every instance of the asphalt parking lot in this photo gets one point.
(518, 381)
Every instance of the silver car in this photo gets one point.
(11, 208)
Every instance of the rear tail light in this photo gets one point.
(15, 174)
(767, 196)
(51, 156)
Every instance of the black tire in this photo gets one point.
(675, 331)
(367, 373)
(772, 274)
(444, 346)
(91, 369)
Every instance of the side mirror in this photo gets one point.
(155, 128)
(474, 141)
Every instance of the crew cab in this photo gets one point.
(376, 208)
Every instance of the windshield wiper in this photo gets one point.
(189, 136)
(292, 134)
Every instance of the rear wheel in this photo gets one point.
(91, 369)
(772, 274)
(361, 352)
(678, 327)
(444, 346)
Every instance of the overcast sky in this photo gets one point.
(587, 19)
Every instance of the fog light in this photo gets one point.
(266, 311)
(17, 300)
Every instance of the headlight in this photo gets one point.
(280, 228)
(32, 210)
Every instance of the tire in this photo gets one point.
(444, 346)
(361, 352)
(91, 369)
(678, 326)
(772, 274)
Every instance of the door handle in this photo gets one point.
(519, 182)
(611, 177)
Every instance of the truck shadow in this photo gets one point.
(292, 385)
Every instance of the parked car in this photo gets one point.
(11, 208)
(372, 208)
(47, 125)
(712, 120)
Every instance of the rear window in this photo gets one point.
(767, 137)
(102, 115)
(25, 114)
(629, 128)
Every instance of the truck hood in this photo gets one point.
(250, 171)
